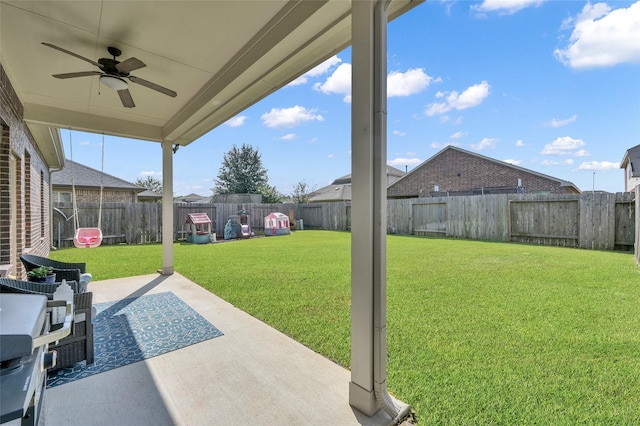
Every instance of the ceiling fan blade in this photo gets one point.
(53, 46)
(130, 64)
(125, 97)
(77, 74)
(153, 86)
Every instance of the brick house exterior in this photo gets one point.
(455, 171)
(87, 182)
(25, 175)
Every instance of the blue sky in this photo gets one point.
(551, 86)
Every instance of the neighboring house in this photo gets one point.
(149, 196)
(87, 182)
(28, 155)
(455, 171)
(192, 198)
(340, 189)
(235, 199)
(631, 165)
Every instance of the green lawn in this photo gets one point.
(478, 332)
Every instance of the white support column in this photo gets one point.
(367, 389)
(167, 208)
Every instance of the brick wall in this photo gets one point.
(454, 170)
(108, 196)
(24, 223)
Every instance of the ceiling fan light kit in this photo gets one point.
(112, 82)
(113, 74)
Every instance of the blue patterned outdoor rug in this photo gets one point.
(134, 329)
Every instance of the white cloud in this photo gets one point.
(471, 97)
(338, 82)
(407, 83)
(237, 121)
(289, 137)
(566, 162)
(581, 153)
(316, 71)
(399, 133)
(599, 166)
(399, 83)
(289, 117)
(485, 143)
(505, 6)
(458, 135)
(151, 173)
(520, 143)
(562, 146)
(401, 162)
(602, 37)
(554, 122)
(512, 161)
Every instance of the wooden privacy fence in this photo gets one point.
(593, 221)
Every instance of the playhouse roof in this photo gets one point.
(197, 218)
(276, 215)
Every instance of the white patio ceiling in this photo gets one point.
(219, 56)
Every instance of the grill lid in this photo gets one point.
(22, 318)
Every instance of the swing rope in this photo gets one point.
(76, 221)
(86, 237)
(101, 185)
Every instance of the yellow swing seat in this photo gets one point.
(87, 237)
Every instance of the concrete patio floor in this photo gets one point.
(253, 375)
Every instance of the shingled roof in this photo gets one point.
(86, 177)
(632, 156)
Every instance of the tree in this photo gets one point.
(241, 172)
(270, 195)
(301, 193)
(150, 183)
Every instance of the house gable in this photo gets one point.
(88, 182)
(455, 171)
(631, 165)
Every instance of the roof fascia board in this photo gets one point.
(49, 116)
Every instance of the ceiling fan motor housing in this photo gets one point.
(114, 51)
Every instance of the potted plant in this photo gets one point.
(42, 274)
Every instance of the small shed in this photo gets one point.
(198, 228)
(276, 224)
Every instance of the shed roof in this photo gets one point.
(197, 218)
(276, 215)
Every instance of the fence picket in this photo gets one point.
(593, 221)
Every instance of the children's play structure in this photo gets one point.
(238, 226)
(276, 224)
(199, 229)
(86, 237)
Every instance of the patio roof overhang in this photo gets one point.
(219, 56)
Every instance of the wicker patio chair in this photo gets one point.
(76, 347)
(63, 270)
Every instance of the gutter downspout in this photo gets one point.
(380, 355)
(368, 386)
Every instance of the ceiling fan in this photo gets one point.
(113, 74)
